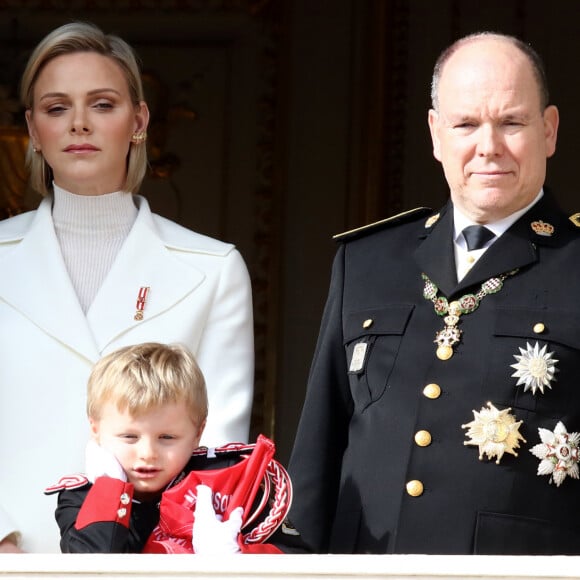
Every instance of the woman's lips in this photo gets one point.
(80, 149)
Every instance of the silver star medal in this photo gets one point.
(495, 432)
(535, 368)
(558, 453)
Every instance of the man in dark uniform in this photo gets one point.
(442, 414)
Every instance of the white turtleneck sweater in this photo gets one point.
(91, 230)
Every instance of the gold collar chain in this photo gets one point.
(450, 336)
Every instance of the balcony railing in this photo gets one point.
(294, 567)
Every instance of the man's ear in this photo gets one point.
(551, 121)
(433, 120)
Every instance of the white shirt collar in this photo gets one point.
(465, 260)
(461, 221)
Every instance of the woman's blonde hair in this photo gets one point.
(83, 37)
(144, 376)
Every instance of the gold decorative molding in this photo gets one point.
(266, 242)
(253, 7)
(13, 144)
(162, 163)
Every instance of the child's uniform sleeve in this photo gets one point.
(103, 518)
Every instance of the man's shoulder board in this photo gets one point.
(575, 219)
(400, 218)
(74, 481)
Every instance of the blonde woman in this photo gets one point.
(92, 270)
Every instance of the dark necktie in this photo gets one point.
(477, 236)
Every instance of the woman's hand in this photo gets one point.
(7, 546)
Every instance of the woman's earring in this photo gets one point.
(138, 137)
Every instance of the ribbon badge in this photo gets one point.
(141, 299)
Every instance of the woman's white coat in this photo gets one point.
(199, 295)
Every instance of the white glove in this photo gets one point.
(210, 535)
(99, 461)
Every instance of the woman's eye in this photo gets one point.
(103, 105)
(55, 109)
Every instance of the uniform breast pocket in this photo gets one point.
(535, 359)
(372, 339)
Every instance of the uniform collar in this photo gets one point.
(517, 247)
(498, 227)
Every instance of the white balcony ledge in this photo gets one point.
(273, 567)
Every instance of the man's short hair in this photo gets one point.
(532, 56)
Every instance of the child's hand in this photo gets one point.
(210, 535)
(99, 462)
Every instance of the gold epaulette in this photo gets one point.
(402, 217)
(575, 219)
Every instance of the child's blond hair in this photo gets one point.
(142, 377)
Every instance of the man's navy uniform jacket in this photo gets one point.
(380, 463)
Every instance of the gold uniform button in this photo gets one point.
(539, 328)
(470, 259)
(432, 391)
(367, 323)
(414, 488)
(423, 438)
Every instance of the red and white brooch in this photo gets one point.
(141, 300)
(558, 453)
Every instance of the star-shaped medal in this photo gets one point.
(535, 368)
(558, 453)
(494, 432)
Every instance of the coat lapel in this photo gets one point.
(144, 261)
(435, 255)
(35, 282)
(518, 246)
(511, 251)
